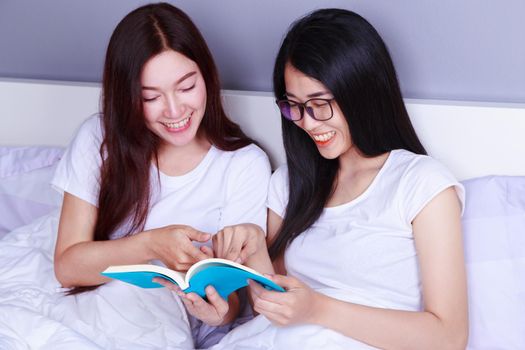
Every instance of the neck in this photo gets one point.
(352, 161)
(356, 173)
(179, 160)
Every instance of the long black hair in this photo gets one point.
(345, 53)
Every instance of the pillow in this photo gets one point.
(25, 190)
(494, 240)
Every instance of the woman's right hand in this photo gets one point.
(173, 246)
(299, 304)
(239, 242)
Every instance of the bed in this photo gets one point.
(481, 143)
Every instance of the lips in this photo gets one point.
(324, 138)
(178, 126)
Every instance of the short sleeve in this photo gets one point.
(423, 180)
(78, 172)
(278, 191)
(247, 188)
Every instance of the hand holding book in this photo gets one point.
(212, 310)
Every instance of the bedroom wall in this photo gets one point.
(447, 49)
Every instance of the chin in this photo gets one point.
(177, 141)
(329, 154)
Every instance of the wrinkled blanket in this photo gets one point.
(36, 314)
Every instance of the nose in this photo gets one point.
(173, 108)
(307, 122)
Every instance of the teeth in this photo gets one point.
(324, 137)
(178, 125)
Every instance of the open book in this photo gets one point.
(224, 275)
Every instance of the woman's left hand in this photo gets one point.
(212, 312)
(297, 305)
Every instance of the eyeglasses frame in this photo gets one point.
(304, 108)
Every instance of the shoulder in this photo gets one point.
(420, 178)
(92, 126)
(410, 166)
(246, 157)
(280, 176)
(249, 153)
(89, 135)
(78, 172)
(278, 191)
(245, 167)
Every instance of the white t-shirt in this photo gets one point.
(361, 251)
(225, 188)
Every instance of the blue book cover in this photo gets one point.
(224, 275)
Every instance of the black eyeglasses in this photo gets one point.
(317, 108)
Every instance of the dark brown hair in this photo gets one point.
(129, 147)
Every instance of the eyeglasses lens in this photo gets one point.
(318, 109)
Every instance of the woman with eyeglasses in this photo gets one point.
(363, 228)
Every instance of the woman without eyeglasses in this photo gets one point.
(159, 172)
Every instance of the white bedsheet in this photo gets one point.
(35, 313)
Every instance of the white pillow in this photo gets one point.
(25, 190)
(494, 238)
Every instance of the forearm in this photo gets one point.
(82, 263)
(261, 262)
(391, 329)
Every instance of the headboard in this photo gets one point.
(472, 138)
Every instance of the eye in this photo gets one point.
(188, 89)
(319, 103)
(149, 99)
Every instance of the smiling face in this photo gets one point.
(174, 98)
(331, 136)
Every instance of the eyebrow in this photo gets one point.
(184, 77)
(315, 94)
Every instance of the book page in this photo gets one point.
(225, 276)
(154, 270)
(199, 266)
